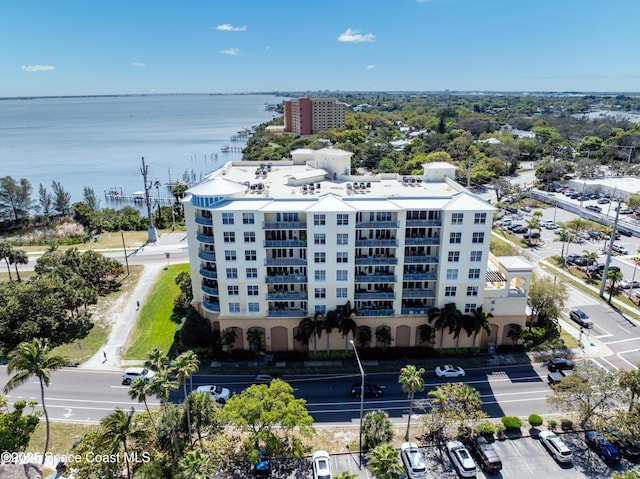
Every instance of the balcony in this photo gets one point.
(377, 243)
(210, 290)
(208, 273)
(422, 241)
(284, 244)
(377, 224)
(204, 220)
(414, 311)
(424, 222)
(375, 278)
(287, 296)
(418, 293)
(286, 262)
(214, 307)
(375, 312)
(419, 276)
(287, 313)
(206, 256)
(372, 260)
(374, 295)
(420, 259)
(284, 225)
(205, 238)
(285, 279)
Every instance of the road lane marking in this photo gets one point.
(609, 363)
(623, 340)
(628, 362)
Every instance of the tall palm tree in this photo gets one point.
(478, 320)
(384, 463)
(184, 367)
(347, 324)
(162, 387)
(117, 427)
(155, 360)
(613, 277)
(203, 411)
(34, 359)
(18, 256)
(138, 390)
(5, 254)
(412, 382)
(311, 328)
(329, 324)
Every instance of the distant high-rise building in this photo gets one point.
(307, 116)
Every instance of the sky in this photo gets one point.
(99, 47)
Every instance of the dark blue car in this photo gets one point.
(603, 447)
(263, 466)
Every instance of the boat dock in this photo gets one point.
(116, 194)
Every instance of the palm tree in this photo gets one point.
(514, 333)
(139, 389)
(384, 463)
(34, 359)
(533, 224)
(197, 464)
(347, 324)
(203, 411)
(18, 256)
(117, 428)
(412, 382)
(311, 327)
(184, 367)
(5, 254)
(565, 237)
(155, 360)
(476, 322)
(330, 323)
(446, 317)
(590, 257)
(162, 387)
(613, 277)
(376, 429)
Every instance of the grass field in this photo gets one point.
(156, 323)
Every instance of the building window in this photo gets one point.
(341, 293)
(472, 291)
(452, 274)
(470, 308)
(253, 307)
(343, 219)
(233, 290)
(227, 218)
(232, 273)
(476, 256)
(230, 255)
(320, 309)
(229, 237)
(450, 290)
(248, 219)
(252, 273)
(234, 307)
(319, 257)
(342, 239)
(478, 237)
(250, 255)
(342, 257)
(480, 218)
(342, 275)
(474, 273)
(320, 275)
(249, 236)
(320, 292)
(319, 219)
(454, 256)
(252, 290)
(456, 218)
(319, 238)
(455, 238)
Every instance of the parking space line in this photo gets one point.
(628, 362)
(608, 362)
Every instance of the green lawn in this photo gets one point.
(156, 324)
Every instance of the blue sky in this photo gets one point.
(84, 47)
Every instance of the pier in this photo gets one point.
(116, 194)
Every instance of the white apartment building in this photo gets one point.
(271, 244)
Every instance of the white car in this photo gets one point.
(551, 226)
(321, 466)
(627, 284)
(449, 371)
(618, 248)
(219, 393)
(462, 459)
(413, 460)
(556, 447)
(131, 374)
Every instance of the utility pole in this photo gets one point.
(152, 236)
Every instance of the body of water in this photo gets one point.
(99, 141)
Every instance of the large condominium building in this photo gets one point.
(307, 116)
(271, 244)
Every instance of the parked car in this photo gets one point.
(131, 374)
(628, 284)
(580, 317)
(576, 259)
(526, 209)
(531, 235)
(413, 460)
(595, 208)
(486, 456)
(370, 390)
(555, 446)
(603, 447)
(595, 235)
(629, 447)
(560, 364)
(519, 229)
(551, 226)
(583, 235)
(320, 465)
(219, 393)
(618, 248)
(503, 223)
(263, 466)
(603, 201)
(461, 459)
(449, 371)
(598, 269)
(512, 226)
(625, 232)
(626, 211)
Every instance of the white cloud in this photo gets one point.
(230, 28)
(139, 65)
(231, 51)
(38, 68)
(370, 67)
(354, 36)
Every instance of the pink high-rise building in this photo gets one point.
(307, 116)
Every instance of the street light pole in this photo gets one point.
(361, 397)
